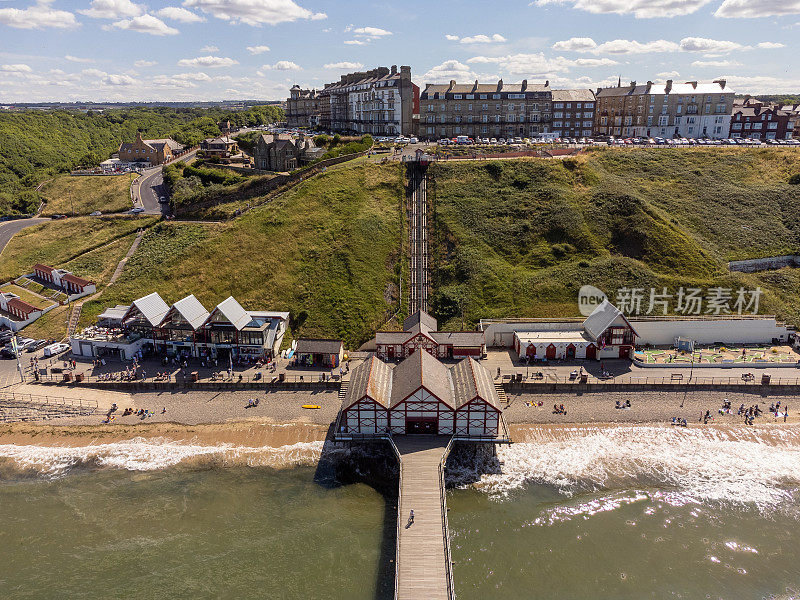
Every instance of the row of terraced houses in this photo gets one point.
(384, 101)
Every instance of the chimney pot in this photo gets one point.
(524, 84)
(394, 69)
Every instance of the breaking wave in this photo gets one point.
(148, 454)
(757, 465)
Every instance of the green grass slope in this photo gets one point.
(520, 237)
(328, 251)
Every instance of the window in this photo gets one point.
(470, 96)
(497, 106)
(469, 106)
(495, 96)
(558, 105)
(558, 115)
(456, 96)
(442, 106)
(484, 107)
(587, 123)
(663, 120)
(588, 105)
(511, 106)
(588, 115)
(430, 107)
(483, 97)
(517, 96)
(556, 123)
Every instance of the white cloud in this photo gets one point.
(634, 47)
(451, 38)
(576, 44)
(716, 63)
(255, 12)
(112, 9)
(770, 45)
(698, 44)
(760, 84)
(668, 74)
(207, 61)
(751, 9)
(257, 49)
(145, 63)
(209, 49)
(38, 16)
(77, 59)
(368, 32)
(641, 9)
(594, 62)
(525, 64)
(355, 42)
(449, 69)
(176, 13)
(495, 38)
(19, 68)
(146, 24)
(343, 65)
(283, 65)
(119, 79)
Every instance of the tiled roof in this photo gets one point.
(422, 370)
(459, 339)
(79, 281)
(41, 267)
(22, 306)
(372, 378)
(573, 96)
(484, 88)
(420, 317)
(472, 380)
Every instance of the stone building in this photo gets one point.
(690, 110)
(762, 121)
(381, 101)
(220, 147)
(573, 113)
(485, 110)
(284, 153)
(154, 152)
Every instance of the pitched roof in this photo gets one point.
(422, 370)
(372, 378)
(392, 337)
(601, 319)
(460, 339)
(318, 346)
(151, 307)
(232, 311)
(420, 318)
(573, 96)
(472, 380)
(191, 310)
(79, 281)
(22, 306)
(41, 267)
(483, 88)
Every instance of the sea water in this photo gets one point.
(573, 513)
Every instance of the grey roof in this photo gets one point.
(233, 312)
(472, 380)
(601, 319)
(191, 310)
(420, 318)
(573, 96)
(116, 313)
(372, 378)
(318, 346)
(392, 337)
(483, 88)
(422, 370)
(151, 307)
(459, 339)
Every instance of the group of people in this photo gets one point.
(678, 422)
(142, 413)
(622, 405)
(558, 409)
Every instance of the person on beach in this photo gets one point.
(785, 412)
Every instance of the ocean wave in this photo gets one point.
(148, 454)
(757, 465)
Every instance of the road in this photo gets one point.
(9, 228)
(149, 187)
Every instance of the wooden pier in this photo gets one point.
(423, 547)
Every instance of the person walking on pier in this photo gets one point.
(410, 519)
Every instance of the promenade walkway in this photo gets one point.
(423, 556)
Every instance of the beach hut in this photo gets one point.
(313, 352)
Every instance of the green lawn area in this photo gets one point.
(26, 296)
(328, 251)
(59, 243)
(520, 237)
(85, 194)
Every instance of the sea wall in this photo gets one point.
(754, 265)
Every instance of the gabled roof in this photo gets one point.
(79, 281)
(420, 318)
(372, 378)
(151, 307)
(232, 311)
(191, 310)
(459, 339)
(22, 306)
(472, 380)
(422, 370)
(45, 268)
(602, 318)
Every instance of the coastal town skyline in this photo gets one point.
(120, 50)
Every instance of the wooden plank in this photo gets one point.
(422, 570)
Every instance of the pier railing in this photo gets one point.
(399, 517)
(448, 560)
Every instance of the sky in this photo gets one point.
(183, 50)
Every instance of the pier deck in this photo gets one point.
(423, 556)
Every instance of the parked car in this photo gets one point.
(36, 345)
(55, 349)
(162, 200)
(96, 213)
(137, 210)
(59, 217)
(414, 140)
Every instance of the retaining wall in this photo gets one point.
(770, 263)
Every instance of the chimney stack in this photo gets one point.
(693, 84)
(668, 87)
(499, 85)
(394, 69)
(524, 85)
(722, 83)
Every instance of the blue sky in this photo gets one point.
(224, 49)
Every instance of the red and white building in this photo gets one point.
(15, 313)
(72, 285)
(419, 333)
(421, 395)
(606, 333)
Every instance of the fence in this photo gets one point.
(665, 383)
(448, 559)
(46, 400)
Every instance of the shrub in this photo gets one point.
(795, 179)
(495, 169)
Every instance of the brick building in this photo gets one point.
(758, 120)
(485, 110)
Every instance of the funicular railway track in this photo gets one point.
(418, 237)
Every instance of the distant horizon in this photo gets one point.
(192, 50)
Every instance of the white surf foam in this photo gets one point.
(758, 465)
(140, 454)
